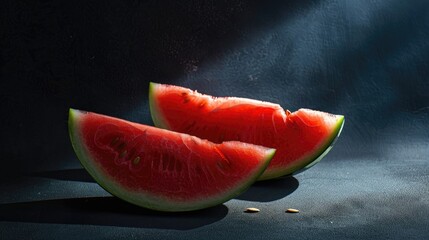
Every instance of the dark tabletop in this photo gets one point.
(367, 60)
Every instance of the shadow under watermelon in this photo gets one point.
(270, 190)
(76, 175)
(263, 191)
(107, 211)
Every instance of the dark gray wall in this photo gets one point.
(368, 60)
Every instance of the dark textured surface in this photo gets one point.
(367, 60)
(355, 198)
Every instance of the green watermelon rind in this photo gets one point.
(312, 158)
(299, 166)
(154, 109)
(145, 199)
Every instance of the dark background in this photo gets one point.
(367, 60)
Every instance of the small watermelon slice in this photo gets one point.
(302, 138)
(161, 169)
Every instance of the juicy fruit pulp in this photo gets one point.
(301, 138)
(161, 169)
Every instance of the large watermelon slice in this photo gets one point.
(302, 138)
(161, 169)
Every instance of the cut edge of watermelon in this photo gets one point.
(300, 165)
(329, 143)
(312, 159)
(84, 156)
(146, 200)
(157, 118)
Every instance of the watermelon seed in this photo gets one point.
(186, 99)
(292, 210)
(122, 145)
(123, 154)
(252, 210)
(136, 160)
(131, 153)
(220, 165)
(223, 157)
(288, 113)
(190, 125)
(114, 141)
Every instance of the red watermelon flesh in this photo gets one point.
(161, 169)
(301, 138)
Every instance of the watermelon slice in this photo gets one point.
(302, 138)
(161, 169)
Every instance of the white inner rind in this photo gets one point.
(154, 109)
